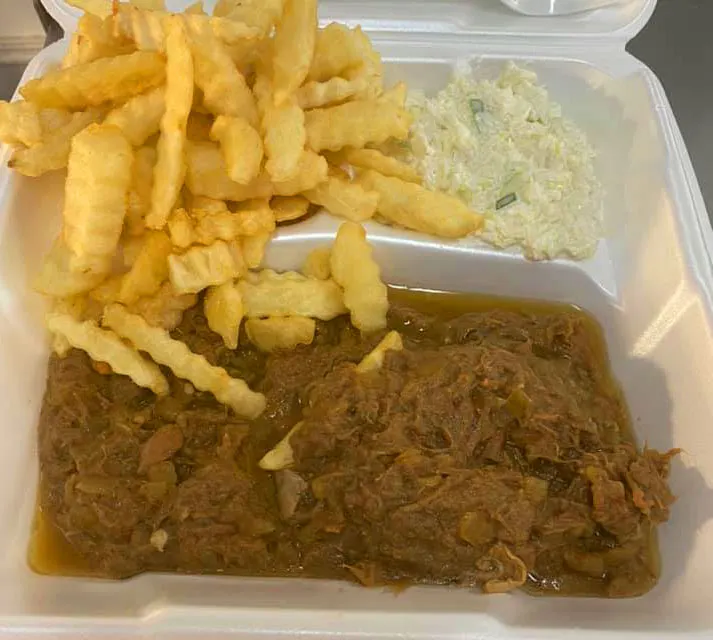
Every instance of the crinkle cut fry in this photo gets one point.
(106, 346)
(184, 363)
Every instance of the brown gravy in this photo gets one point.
(506, 368)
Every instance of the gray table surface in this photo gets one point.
(676, 44)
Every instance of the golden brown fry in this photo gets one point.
(229, 32)
(337, 49)
(261, 14)
(75, 306)
(255, 217)
(223, 8)
(19, 123)
(355, 124)
(202, 267)
(98, 180)
(329, 92)
(262, 87)
(144, 28)
(52, 120)
(98, 8)
(94, 38)
(223, 308)
(275, 334)
(293, 47)
(208, 176)
(203, 206)
(108, 291)
(106, 346)
(243, 54)
(241, 146)
(55, 278)
(371, 68)
(139, 117)
(165, 308)
(103, 80)
(225, 91)
(147, 28)
(139, 197)
(396, 95)
(253, 248)
(184, 363)
(206, 225)
(170, 168)
(336, 170)
(148, 5)
(285, 136)
(375, 358)
(356, 271)
(181, 229)
(414, 207)
(150, 269)
(291, 294)
(317, 265)
(130, 247)
(344, 198)
(313, 171)
(383, 164)
(53, 152)
(289, 208)
(196, 9)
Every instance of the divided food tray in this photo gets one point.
(650, 285)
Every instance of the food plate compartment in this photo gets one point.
(649, 285)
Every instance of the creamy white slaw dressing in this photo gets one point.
(504, 148)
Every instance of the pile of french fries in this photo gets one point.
(186, 139)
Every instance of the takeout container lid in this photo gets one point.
(650, 286)
(556, 7)
(487, 18)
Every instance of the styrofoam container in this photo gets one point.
(650, 285)
(556, 7)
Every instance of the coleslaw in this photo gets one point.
(504, 148)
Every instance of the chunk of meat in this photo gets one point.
(646, 479)
(516, 518)
(111, 453)
(221, 493)
(564, 520)
(290, 487)
(611, 508)
(161, 446)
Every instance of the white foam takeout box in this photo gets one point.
(556, 7)
(650, 285)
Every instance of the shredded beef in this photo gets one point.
(494, 450)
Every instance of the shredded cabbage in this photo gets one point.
(504, 148)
